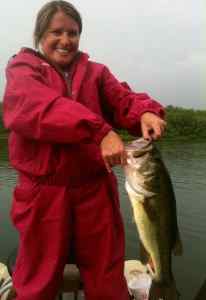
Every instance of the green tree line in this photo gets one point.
(185, 123)
(181, 123)
(3, 131)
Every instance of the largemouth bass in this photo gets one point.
(153, 201)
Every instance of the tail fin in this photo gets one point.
(178, 247)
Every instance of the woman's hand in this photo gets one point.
(112, 150)
(152, 126)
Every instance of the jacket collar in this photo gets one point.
(79, 72)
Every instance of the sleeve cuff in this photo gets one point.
(101, 133)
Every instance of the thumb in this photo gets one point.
(107, 165)
(146, 132)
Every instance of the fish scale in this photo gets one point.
(151, 194)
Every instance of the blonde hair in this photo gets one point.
(46, 13)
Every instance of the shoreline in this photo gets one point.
(4, 156)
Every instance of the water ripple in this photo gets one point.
(187, 166)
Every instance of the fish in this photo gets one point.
(201, 294)
(153, 202)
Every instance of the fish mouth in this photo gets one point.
(139, 147)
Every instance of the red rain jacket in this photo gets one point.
(56, 136)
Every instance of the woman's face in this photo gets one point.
(60, 43)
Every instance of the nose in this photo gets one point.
(64, 40)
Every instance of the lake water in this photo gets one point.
(187, 166)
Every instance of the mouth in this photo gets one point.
(63, 51)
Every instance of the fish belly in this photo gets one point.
(153, 238)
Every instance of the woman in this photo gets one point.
(61, 109)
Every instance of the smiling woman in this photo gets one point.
(63, 146)
(46, 13)
(57, 35)
(60, 42)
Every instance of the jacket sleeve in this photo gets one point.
(123, 107)
(37, 111)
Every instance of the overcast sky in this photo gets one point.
(157, 46)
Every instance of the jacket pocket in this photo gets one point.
(24, 197)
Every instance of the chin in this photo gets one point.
(65, 61)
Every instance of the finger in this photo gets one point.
(115, 160)
(120, 158)
(157, 133)
(164, 123)
(158, 129)
(123, 158)
(146, 133)
(163, 127)
(162, 131)
(107, 165)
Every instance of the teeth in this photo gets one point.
(63, 50)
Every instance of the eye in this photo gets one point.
(56, 32)
(73, 33)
